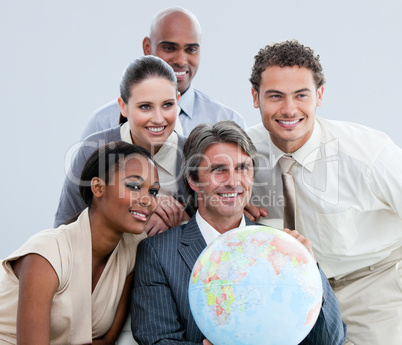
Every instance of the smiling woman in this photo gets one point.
(72, 285)
(151, 115)
(148, 100)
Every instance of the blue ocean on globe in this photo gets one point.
(255, 285)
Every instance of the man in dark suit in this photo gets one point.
(218, 169)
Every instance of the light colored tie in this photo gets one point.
(178, 127)
(289, 193)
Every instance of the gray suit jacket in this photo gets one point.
(160, 310)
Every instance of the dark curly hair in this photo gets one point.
(286, 54)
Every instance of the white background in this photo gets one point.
(60, 60)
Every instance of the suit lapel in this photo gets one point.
(249, 222)
(192, 243)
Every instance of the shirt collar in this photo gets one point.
(207, 231)
(306, 155)
(186, 102)
(125, 133)
(163, 157)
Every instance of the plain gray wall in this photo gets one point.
(60, 60)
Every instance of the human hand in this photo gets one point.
(155, 225)
(305, 242)
(168, 214)
(170, 210)
(206, 342)
(254, 213)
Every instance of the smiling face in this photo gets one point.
(129, 200)
(176, 38)
(287, 99)
(151, 112)
(225, 179)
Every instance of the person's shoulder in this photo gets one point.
(104, 117)
(346, 128)
(170, 235)
(169, 238)
(202, 97)
(127, 247)
(363, 143)
(352, 133)
(58, 234)
(107, 109)
(52, 244)
(218, 110)
(96, 140)
(130, 240)
(257, 132)
(103, 137)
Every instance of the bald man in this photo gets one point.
(175, 36)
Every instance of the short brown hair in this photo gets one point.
(286, 54)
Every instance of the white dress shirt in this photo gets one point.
(207, 231)
(348, 193)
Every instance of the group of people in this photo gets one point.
(166, 170)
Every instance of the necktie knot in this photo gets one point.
(286, 163)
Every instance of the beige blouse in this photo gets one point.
(165, 159)
(77, 314)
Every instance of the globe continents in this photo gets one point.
(255, 285)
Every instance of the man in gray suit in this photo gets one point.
(218, 171)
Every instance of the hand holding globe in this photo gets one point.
(304, 241)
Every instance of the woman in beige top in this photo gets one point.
(71, 285)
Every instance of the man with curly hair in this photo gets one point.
(348, 195)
